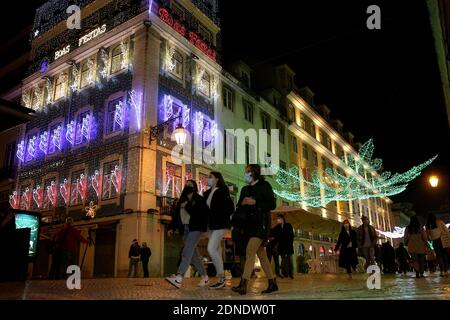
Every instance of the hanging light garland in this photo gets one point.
(330, 185)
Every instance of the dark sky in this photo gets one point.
(382, 84)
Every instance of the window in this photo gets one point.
(313, 130)
(108, 189)
(75, 197)
(250, 156)
(315, 159)
(280, 127)
(265, 122)
(173, 180)
(228, 98)
(248, 111)
(302, 121)
(324, 163)
(321, 137)
(9, 161)
(114, 121)
(55, 138)
(291, 112)
(117, 58)
(82, 133)
(87, 73)
(26, 201)
(61, 85)
(32, 144)
(177, 63)
(305, 151)
(245, 79)
(229, 146)
(294, 144)
(205, 87)
(204, 33)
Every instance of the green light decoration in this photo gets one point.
(334, 185)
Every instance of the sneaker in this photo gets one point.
(175, 280)
(204, 281)
(220, 284)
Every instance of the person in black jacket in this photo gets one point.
(255, 203)
(272, 252)
(347, 244)
(145, 257)
(221, 207)
(403, 258)
(134, 254)
(192, 216)
(284, 233)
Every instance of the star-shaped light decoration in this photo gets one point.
(91, 210)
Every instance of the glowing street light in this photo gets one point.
(434, 181)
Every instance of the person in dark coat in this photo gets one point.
(145, 257)
(221, 207)
(239, 239)
(192, 213)
(272, 251)
(388, 257)
(134, 254)
(284, 233)
(347, 244)
(255, 203)
(403, 258)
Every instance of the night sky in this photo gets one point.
(382, 84)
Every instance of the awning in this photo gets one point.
(307, 221)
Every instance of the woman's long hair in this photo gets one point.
(220, 179)
(184, 193)
(431, 221)
(414, 225)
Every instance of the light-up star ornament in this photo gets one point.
(91, 210)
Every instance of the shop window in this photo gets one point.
(114, 118)
(173, 181)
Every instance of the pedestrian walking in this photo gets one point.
(416, 241)
(255, 203)
(403, 258)
(439, 234)
(346, 245)
(145, 257)
(191, 216)
(272, 252)
(284, 233)
(388, 258)
(134, 254)
(367, 239)
(221, 207)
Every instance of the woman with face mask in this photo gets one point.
(221, 207)
(255, 203)
(190, 218)
(347, 246)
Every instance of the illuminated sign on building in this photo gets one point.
(92, 35)
(31, 221)
(62, 52)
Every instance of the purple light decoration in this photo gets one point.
(198, 122)
(168, 107)
(32, 147)
(56, 139)
(21, 151)
(119, 114)
(43, 142)
(70, 132)
(44, 66)
(186, 116)
(135, 102)
(87, 125)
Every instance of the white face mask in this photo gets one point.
(248, 177)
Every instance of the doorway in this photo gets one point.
(105, 251)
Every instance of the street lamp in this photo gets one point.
(180, 132)
(434, 181)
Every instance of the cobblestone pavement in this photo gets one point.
(327, 286)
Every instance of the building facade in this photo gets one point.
(99, 91)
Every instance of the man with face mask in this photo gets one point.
(255, 203)
(284, 233)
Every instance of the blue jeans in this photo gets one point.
(215, 249)
(132, 270)
(190, 252)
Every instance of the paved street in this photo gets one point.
(303, 287)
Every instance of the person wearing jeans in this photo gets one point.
(439, 234)
(190, 218)
(134, 256)
(221, 207)
(367, 239)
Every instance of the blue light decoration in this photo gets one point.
(186, 116)
(168, 107)
(119, 114)
(43, 142)
(57, 137)
(70, 132)
(136, 104)
(87, 126)
(44, 66)
(198, 122)
(21, 151)
(32, 147)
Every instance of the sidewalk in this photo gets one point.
(326, 286)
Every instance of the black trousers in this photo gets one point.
(145, 268)
(286, 265)
(276, 257)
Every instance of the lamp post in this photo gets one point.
(180, 132)
(434, 181)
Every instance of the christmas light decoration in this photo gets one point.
(43, 142)
(48, 88)
(91, 67)
(168, 107)
(198, 122)
(56, 138)
(52, 193)
(70, 132)
(21, 151)
(199, 79)
(119, 114)
(38, 196)
(186, 116)
(116, 178)
(135, 102)
(32, 147)
(14, 200)
(124, 50)
(105, 60)
(75, 78)
(331, 185)
(87, 124)
(82, 184)
(91, 210)
(170, 66)
(26, 99)
(38, 98)
(26, 198)
(396, 234)
(64, 190)
(96, 182)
